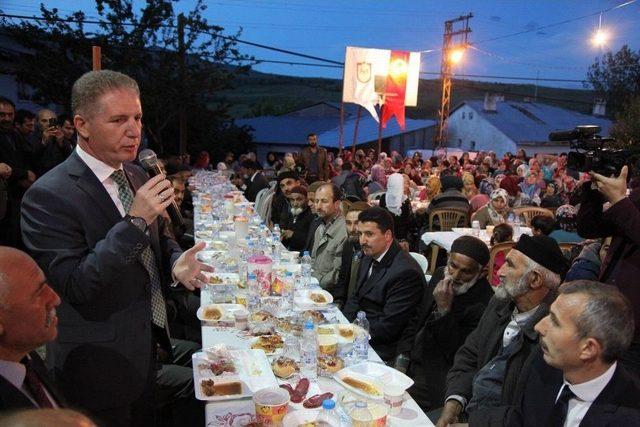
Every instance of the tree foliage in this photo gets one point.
(626, 130)
(143, 44)
(616, 77)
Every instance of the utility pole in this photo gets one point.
(182, 110)
(448, 59)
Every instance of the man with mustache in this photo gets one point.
(451, 308)
(27, 321)
(389, 284)
(296, 222)
(576, 379)
(351, 253)
(483, 380)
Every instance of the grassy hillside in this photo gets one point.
(260, 94)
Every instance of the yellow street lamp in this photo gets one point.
(600, 38)
(456, 55)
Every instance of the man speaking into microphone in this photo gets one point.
(94, 226)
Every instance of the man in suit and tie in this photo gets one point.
(576, 379)
(27, 321)
(94, 225)
(254, 180)
(451, 308)
(389, 285)
(351, 253)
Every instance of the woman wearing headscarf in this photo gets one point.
(550, 199)
(566, 220)
(530, 186)
(496, 211)
(431, 189)
(516, 198)
(378, 180)
(469, 188)
(397, 202)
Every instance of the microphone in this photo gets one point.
(149, 161)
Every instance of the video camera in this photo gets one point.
(590, 151)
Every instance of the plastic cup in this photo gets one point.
(393, 397)
(241, 226)
(241, 317)
(328, 344)
(271, 405)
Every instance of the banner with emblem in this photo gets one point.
(367, 75)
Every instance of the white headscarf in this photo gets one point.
(395, 193)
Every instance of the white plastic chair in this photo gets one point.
(422, 261)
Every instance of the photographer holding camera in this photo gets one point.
(54, 148)
(621, 220)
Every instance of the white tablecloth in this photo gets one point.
(445, 239)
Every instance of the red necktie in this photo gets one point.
(36, 388)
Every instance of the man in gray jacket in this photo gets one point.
(329, 237)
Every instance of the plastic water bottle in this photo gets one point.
(516, 226)
(360, 415)
(475, 225)
(289, 288)
(276, 244)
(276, 231)
(305, 268)
(308, 348)
(361, 341)
(328, 414)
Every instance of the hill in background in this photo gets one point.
(258, 94)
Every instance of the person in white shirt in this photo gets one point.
(27, 321)
(588, 328)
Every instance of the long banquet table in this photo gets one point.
(221, 413)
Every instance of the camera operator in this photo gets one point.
(54, 148)
(621, 220)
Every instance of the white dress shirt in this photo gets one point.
(515, 325)
(585, 393)
(377, 259)
(15, 373)
(103, 172)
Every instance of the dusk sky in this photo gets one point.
(324, 28)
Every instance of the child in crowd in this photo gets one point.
(542, 224)
(501, 233)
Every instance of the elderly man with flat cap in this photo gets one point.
(295, 222)
(451, 308)
(483, 380)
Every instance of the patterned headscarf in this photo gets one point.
(432, 188)
(566, 217)
(487, 185)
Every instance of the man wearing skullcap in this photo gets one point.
(296, 221)
(483, 381)
(451, 308)
(280, 203)
(351, 253)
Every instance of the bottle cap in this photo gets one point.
(361, 314)
(308, 324)
(328, 404)
(361, 404)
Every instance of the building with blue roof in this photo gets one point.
(288, 132)
(506, 126)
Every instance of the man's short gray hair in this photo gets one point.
(607, 316)
(551, 280)
(92, 85)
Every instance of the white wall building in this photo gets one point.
(501, 126)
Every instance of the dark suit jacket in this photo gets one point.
(253, 187)
(300, 228)
(13, 399)
(91, 257)
(483, 344)
(389, 297)
(341, 289)
(315, 223)
(621, 266)
(617, 405)
(432, 342)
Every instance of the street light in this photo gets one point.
(456, 55)
(600, 38)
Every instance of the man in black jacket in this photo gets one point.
(27, 321)
(351, 253)
(296, 221)
(254, 180)
(484, 378)
(451, 308)
(389, 284)
(576, 379)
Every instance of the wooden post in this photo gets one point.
(182, 113)
(341, 137)
(380, 131)
(97, 58)
(355, 134)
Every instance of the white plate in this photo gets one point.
(252, 369)
(336, 326)
(227, 278)
(246, 392)
(347, 372)
(277, 350)
(304, 302)
(375, 373)
(226, 310)
(297, 418)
